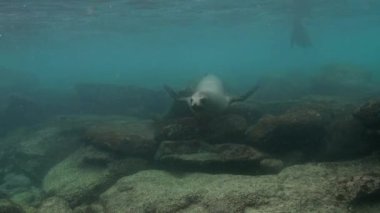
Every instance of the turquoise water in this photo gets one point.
(86, 125)
(150, 42)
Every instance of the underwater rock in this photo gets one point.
(271, 165)
(200, 156)
(249, 111)
(7, 206)
(226, 128)
(128, 166)
(294, 130)
(126, 100)
(360, 188)
(15, 183)
(74, 182)
(93, 208)
(186, 128)
(221, 129)
(56, 205)
(38, 151)
(96, 158)
(129, 191)
(344, 140)
(128, 137)
(303, 188)
(369, 114)
(86, 173)
(31, 197)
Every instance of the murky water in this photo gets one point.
(289, 122)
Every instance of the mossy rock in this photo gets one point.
(86, 173)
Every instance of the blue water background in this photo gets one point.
(149, 43)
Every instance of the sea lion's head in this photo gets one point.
(198, 101)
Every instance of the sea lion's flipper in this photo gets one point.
(245, 96)
(173, 94)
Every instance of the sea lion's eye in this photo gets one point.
(191, 100)
(203, 100)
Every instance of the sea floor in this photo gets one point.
(91, 163)
(109, 148)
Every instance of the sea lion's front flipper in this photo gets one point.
(173, 94)
(245, 96)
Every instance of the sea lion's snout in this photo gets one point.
(197, 102)
(197, 107)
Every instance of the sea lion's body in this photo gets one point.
(209, 97)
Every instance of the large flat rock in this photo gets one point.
(311, 187)
(127, 136)
(86, 173)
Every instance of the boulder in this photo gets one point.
(301, 188)
(73, 182)
(251, 111)
(38, 151)
(7, 206)
(56, 205)
(271, 165)
(295, 130)
(32, 197)
(83, 175)
(185, 128)
(344, 140)
(361, 188)
(220, 129)
(93, 208)
(130, 136)
(369, 114)
(226, 128)
(15, 183)
(316, 127)
(200, 156)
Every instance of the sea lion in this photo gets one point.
(209, 97)
(299, 35)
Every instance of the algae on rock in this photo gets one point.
(85, 174)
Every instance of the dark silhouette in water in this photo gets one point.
(300, 36)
